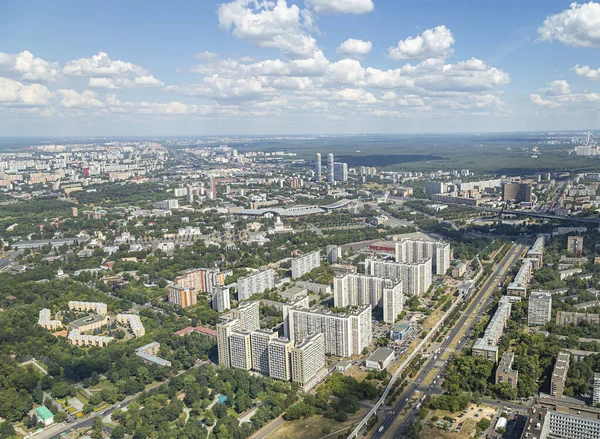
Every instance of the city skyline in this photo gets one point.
(297, 66)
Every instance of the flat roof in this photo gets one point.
(381, 354)
(88, 320)
(43, 413)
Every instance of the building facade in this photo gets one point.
(416, 277)
(279, 359)
(259, 341)
(221, 301)
(308, 361)
(415, 250)
(540, 308)
(240, 349)
(181, 296)
(248, 315)
(305, 264)
(254, 283)
(559, 374)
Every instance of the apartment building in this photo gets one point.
(305, 264)
(505, 373)
(344, 334)
(415, 250)
(200, 280)
(596, 386)
(559, 374)
(248, 315)
(393, 301)
(134, 323)
(221, 301)
(487, 346)
(308, 361)
(564, 318)
(416, 277)
(224, 330)
(575, 245)
(301, 301)
(240, 349)
(540, 308)
(352, 289)
(97, 307)
(254, 283)
(259, 341)
(46, 322)
(76, 338)
(518, 287)
(536, 252)
(181, 296)
(279, 350)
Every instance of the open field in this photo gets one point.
(314, 427)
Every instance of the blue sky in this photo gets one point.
(279, 67)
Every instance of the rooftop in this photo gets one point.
(88, 320)
(43, 413)
(381, 355)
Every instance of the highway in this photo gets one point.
(464, 326)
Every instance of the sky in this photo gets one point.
(236, 67)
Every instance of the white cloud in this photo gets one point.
(355, 48)
(467, 76)
(536, 99)
(578, 26)
(148, 81)
(15, 93)
(587, 73)
(558, 88)
(341, 6)
(74, 99)
(221, 88)
(108, 83)
(269, 24)
(28, 67)
(102, 66)
(174, 108)
(433, 43)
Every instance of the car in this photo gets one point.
(476, 415)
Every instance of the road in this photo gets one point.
(455, 341)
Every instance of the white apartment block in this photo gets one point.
(134, 322)
(305, 264)
(302, 301)
(536, 252)
(567, 425)
(416, 250)
(75, 338)
(259, 341)
(220, 299)
(279, 359)
(46, 322)
(487, 346)
(255, 283)
(308, 361)
(344, 334)
(416, 277)
(393, 301)
(224, 330)
(248, 315)
(596, 395)
(540, 308)
(240, 350)
(518, 287)
(97, 307)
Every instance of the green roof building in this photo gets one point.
(44, 415)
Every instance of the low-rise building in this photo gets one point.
(134, 322)
(505, 373)
(89, 323)
(96, 307)
(149, 353)
(46, 322)
(380, 359)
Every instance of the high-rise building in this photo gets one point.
(302, 301)
(487, 345)
(575, 245)
(200, 280)
(224, 330)
(254, 283)
(181, 296)
(540, 308)
(213, 187)
(305, 263)
(259, 340)
(518, 192)
(416, 277)
(330, 169)
(318, 167)
(240, 350)
(392, 301)
(279, 359)
(596, 385)
(248, 314)
(434, 187)
(308, 361)
(340, 171)
(353, 289)
(415, 250)
(220, 299)
(345, 334)
(536, 252)
(559, 375)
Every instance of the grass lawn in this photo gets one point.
(81, 396)
(103, 385)
(313, 427)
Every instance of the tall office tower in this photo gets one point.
(240, 350)
(213, 187)
(259, 340)
(305, 263)
(318, 167)
(220, 299)
(540, 308)
(256, 282)
(224, 330)
(308, 361)
(340, 171)
(330, 169)
(596, 395)
(181, 296)
(248, 315)
(279, 359)
(392, 301)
